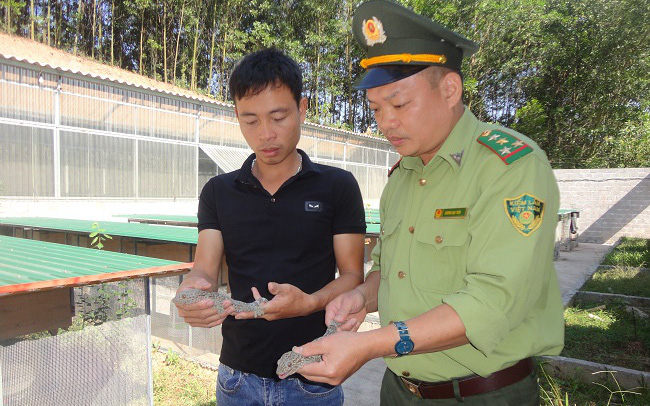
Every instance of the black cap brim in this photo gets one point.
(383, 75)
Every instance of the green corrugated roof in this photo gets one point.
(142, 231)
(373, 228)
(162, 217)
(31, 265)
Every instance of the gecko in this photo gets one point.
(190, 296)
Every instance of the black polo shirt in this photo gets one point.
(285, 238)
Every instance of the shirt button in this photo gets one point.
(438, 239)
(423, 182)
(411, 230)
(406, 373)
(273, 199)
(401, 274)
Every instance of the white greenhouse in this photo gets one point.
(71, 128)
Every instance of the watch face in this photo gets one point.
(404, 347)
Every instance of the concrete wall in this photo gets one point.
(613, 202)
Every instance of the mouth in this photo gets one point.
(396, 141)
(269, 151)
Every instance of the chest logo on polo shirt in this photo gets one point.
(313, 206)
(525, 212)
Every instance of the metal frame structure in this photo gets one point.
(70, 135)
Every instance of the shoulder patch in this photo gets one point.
(507, 147)
(525, 212)
(392, 169)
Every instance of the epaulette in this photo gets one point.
(506, 146)
(390, 171)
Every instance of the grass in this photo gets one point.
(177, 381)
(610, 335)
(558, 392)
(620, 280)
(630, 252)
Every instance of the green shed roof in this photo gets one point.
(141, 231)
(28, 265)
(171, 217)
(167, 219)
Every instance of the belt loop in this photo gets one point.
(459, 398)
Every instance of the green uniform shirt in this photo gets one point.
(477, 234)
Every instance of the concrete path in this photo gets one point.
(573, 268)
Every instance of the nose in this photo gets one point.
(387, 120)
(267, 131)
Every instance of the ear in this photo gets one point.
(236, 112)
(452, 88)
(302, 107)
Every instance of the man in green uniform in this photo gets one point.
(463, 273)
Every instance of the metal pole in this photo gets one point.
(57, 140)
(1, 395)
(147, 295)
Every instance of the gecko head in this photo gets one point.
(285, 364)
(183, 296)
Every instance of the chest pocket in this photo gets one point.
(388, 237)
(441, 255)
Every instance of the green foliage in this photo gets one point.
(98, 236)
(571, 74)
(106, 302)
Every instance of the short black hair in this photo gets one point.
(257, 71)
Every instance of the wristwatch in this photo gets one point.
(405, 344)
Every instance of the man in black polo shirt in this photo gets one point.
(284, 224)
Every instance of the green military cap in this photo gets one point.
(399, 43)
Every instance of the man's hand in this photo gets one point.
(288, 301)
(201, 314)
(349, 309)
(343, 354)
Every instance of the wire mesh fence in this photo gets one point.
(103, 358)
(171, 332)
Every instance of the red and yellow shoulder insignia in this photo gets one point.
(391, 170)
(506, 146)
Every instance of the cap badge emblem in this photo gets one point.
(373, 30)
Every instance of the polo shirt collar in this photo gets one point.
(246, 175)
(455, 147)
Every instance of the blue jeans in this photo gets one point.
(236, 388)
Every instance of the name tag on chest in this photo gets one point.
(455, 213)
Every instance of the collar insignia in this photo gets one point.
(391, 170)
(458, 156)
(373, 30)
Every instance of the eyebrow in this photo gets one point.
(390, 96)
(278, 110)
